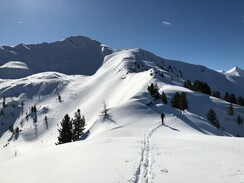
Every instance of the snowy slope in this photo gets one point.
(235, 71)
(133, 146)
(14, 69)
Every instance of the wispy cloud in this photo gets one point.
(20, 22)
(166, 23)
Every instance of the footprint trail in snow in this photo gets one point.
(143, 172)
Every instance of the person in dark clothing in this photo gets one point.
(162, 117)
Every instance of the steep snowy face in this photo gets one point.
(235, 71)
(74, 55)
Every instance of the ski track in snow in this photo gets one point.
(143, 172)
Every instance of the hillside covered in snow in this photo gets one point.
(131, 145)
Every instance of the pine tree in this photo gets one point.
(104, 112)
(34, 109)
(59, 99)
(211, 115)
(227, 97)
(11, 128)
(232, 98)
(206, 89)
(65, 132)
(78, 125)
(216, 94)
(179, 101)
(4, 102)
(187, 84)
(239, 120)
(163, 98)
(230, 110)
(240, 101)
(153, 90)
(183, 103)
(197, 86)
(175, 102)
(17, 130)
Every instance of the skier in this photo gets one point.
(162, 117)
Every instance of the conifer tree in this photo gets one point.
(232, 98)
(65, 132)
(163, 98)
(240, 101)
(78, 125)
(216, 94)
(187, 84)
(175, 100)
(206, 89)
(239, 120)
(153, 90)
(179, 101)
(197, 85)
(4, 102)
(230, 110)
(211, 115)
(183, 103)
(227, 97)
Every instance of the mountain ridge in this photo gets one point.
(69, 56)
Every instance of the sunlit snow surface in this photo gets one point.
(133, 146)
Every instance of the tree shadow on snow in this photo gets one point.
(85, 135)
(191, 124)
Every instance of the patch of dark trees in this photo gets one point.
(203, 87)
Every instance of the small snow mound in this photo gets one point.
(235, 71)
(220, 71)
(15, 65)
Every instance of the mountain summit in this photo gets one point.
(235, 71)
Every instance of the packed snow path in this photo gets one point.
(143, 172)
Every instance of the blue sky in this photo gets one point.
(206, 32)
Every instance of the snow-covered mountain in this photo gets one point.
(133, 146)
(74, 55)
